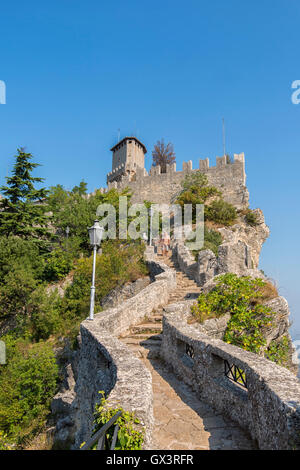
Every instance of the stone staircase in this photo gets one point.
(181, 420)
(144, 339)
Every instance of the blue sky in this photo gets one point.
(77, 71)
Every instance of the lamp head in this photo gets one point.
(95, 233)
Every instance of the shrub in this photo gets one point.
(15, 293)
(58, 264)
(117, 265)
(45, 314)
(221, 212)
(251, 218)
(196, 190)
(212, 240)
(16, 252)
(5, 443)
(129, 437)
(278, 351)
(27, 385)
(239, 296)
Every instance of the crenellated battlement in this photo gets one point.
(229, 176)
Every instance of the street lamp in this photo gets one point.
(95, 234)
(67, 233)
(151, 215)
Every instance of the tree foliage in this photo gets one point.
(163, 154)
(239, 296)
(27, 384)
(22, 211)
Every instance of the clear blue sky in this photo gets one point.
(76, 71)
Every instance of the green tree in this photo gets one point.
(81, 189)
(27, 384)
(22, 210)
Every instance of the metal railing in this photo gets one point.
(100, 435)
(233, 373)
(189, 350)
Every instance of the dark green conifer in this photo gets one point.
(23, 208)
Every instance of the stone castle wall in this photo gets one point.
(159, 187)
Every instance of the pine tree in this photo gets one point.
(22, 210)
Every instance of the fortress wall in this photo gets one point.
(269, 408)
(230, 178)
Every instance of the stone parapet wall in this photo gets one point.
(269, 408)
(104, 363)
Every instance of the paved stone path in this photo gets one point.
(182, 421)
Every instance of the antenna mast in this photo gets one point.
(118, 135)
(223, 129)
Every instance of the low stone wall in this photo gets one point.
(268, 408)
(104, 363)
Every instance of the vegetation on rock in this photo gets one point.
(196, 190)
(251, 218)
(242, 297)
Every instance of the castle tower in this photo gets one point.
(128, 155)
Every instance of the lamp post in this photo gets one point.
(151, 214)
(95, 234)
(67, 233)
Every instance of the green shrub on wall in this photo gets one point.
(129, 437)
(278, 351)
(251, 218)
(238, 296)
(221, 212)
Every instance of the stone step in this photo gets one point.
(156, 318)
(152, 351)
(144, 336)
(134, 342)
(146, 327)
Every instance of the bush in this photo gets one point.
(129, 437)
(221, 212)
(212, 240)
(240, 297)
(5, 443)
(15, 293)
(278, 351)
(196, 190)
(251, 218)
(58, 264)
(45, 314)
(15, 253)
(27, 384)
(117, 265)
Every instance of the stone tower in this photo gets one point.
(128, 156)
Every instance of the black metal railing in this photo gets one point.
(189, 350)
(100, 436)
(235, 374)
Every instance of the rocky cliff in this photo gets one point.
(239, 254)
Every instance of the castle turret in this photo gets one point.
(128, 156)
